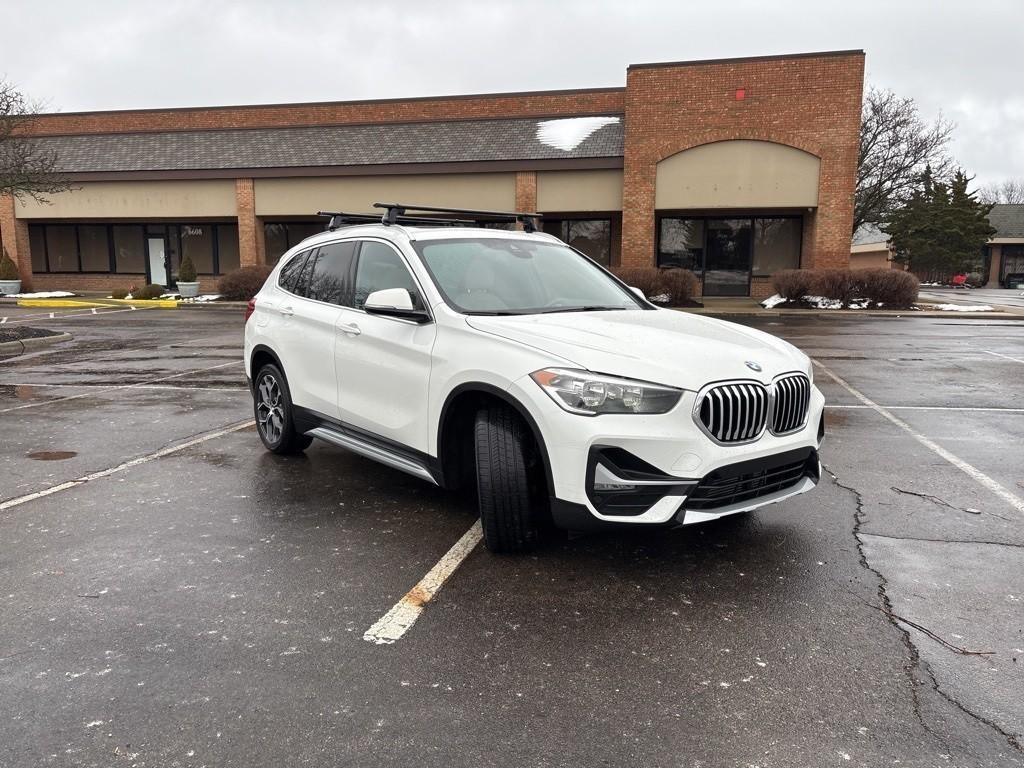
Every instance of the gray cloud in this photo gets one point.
(960, 59)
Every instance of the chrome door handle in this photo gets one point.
(349, 328)
(286, 311)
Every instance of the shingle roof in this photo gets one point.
(1008, 219)
(869, 233)
(347, 145)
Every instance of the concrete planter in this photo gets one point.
(188, 290)
(8, 287)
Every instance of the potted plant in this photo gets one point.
(10, 278)
(188, 286)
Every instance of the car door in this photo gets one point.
(309, 316)
(384, 362)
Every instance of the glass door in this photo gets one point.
(157, 248)
(727, 258)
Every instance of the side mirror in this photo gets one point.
(394, 302)
(638, 292)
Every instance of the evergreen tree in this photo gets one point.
(941, 229)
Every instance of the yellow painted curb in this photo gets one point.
(86, 303)
(57, 303)
(163, 303)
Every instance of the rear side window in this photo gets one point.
(329, 274)
(381, 267)
(291, 273)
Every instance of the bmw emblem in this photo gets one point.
(753, 366)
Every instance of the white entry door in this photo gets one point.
(157, 261)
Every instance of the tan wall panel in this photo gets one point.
(738, 174)
(136, 199)
(356, 194)
(566, 191)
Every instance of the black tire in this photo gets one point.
(509, 481)
(272, 407)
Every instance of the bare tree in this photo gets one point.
(27, 167)
(1009, 191)
(896, 146)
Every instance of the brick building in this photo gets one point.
(734, 168)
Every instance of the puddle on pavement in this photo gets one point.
(17, 391)
(52, 455)
(834, 418)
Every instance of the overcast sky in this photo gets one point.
(960, 58)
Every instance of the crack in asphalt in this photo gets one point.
(943, 541)
(916, 663)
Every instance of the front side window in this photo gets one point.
(330, 274)
(381, 267)
(508, 276)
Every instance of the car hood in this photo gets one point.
(661, 346)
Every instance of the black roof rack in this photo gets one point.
(394, 212)
(340, 219)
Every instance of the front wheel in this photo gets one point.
(509, 490)
(272, 404)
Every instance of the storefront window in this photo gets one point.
(37, 244)
(62, 248)
(1012, 264)
(279, 236)
(227, 247)
(92, 242)
(197, 243)
(129, 249)
(681, 244)
(590, 236)
(776, 245)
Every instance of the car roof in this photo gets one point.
(399, 232)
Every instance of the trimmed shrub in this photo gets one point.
(793, 284)
(151, 291)
(120, 293)
(890, 287)
(677, 286)
(681, 285)
(187, 270)
(836, 284)
(244, 283)
(8, 269)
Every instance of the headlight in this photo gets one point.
(592, 394)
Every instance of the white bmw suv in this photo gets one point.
(509, 361)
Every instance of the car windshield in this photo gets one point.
(502, 276)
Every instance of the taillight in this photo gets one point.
(249, 309)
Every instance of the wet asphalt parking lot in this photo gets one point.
(199, 602)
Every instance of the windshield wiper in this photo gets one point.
(589, 308)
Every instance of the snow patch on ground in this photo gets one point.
(661, 298)
(820, 302)
(568, 133)
(773, 301)
(203, 298)
(962, 308)
(40, 295)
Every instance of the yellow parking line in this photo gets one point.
(78, 303)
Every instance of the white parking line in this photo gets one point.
(967, 408)
(1000, 354)
(134, 386)
(122, 386)
(973, 472)
(10, 503)
(74, 314)
(403, 614)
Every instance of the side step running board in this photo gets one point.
(375, 452)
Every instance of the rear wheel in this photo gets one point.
(509, 481)
(272, 404)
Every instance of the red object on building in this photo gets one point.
(741, 94)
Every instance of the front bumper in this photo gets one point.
(656, 470)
